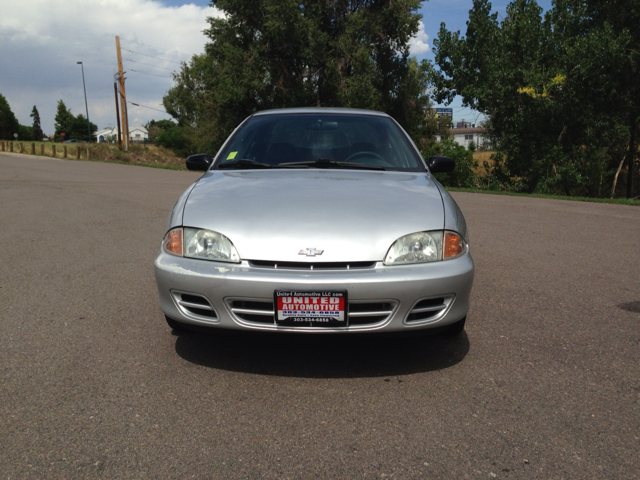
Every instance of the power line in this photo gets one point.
(150, 108)
(147, 73)
(149, 65)
(150, 46)
(152, 56)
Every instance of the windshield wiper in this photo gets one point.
(243, 163)
(330, 163)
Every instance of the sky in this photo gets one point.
(41, 42)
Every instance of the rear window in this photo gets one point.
(288, 138)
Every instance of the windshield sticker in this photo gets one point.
(232, 155)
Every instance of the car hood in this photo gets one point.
(351, 215)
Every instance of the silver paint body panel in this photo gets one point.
(351, 215)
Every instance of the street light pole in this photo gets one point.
(85, 101)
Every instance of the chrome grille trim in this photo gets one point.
(259, 312)
(369, 314)
(255, 311)
(195, 306)
(428, 310)
(366, 313)
(310, 265)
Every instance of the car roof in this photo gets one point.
(347, 111)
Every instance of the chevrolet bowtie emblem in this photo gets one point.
(310, 252)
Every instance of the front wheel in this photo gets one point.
(456, 328)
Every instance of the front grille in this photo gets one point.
(429, 309)
(360, 313)
(311, 265)
(369, 313)
(194, 305)
(254, 311)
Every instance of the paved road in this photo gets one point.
(545, 383)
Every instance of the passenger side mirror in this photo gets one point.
(438, 164)
(199, 161)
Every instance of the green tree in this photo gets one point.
(8, 121)
(37, 128)
(560, 90)
(601, 42)
(72, 127)
(154, 127)
(76, 127)
(62, 121)
(274, 54)
(25, 133)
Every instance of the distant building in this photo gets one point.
(464, 136)
(110, 135)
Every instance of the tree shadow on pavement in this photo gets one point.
(321, 356)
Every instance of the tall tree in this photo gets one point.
(602, 57)
(37, 128)
(285, 53)
(560, 90)
(62, 120)
(8, 121)
(72, 127)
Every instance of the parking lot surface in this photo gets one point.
(545, 383)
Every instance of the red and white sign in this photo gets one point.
(328, 308)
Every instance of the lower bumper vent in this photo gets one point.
(429, 309)
(195, 305)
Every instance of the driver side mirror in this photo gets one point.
(199, 161)
(438, 164)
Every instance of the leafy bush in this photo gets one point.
(463, 176)
(177, 139)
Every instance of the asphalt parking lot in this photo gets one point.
(544, 384)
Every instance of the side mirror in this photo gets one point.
(199, 161)
(441, 164)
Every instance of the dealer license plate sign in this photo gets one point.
(311, 309)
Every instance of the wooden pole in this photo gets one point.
(42, 149)
(123, 97)
(53, 150)
(33, 149)
(64, 151)
(115, 89)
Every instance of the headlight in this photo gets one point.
(202, 244)
(424, 247)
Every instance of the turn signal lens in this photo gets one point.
(173, 242)
(453, 245)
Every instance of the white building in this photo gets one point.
(110, 135)
(464, 136)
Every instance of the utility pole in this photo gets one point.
(85, 101)
(123, 97)
(115, 89)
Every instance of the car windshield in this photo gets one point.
(323, 140)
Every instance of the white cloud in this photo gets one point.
(41, 42)
(418, 43)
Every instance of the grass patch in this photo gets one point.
(143, 155)
(618, 201)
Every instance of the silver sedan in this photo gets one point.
(314, 221)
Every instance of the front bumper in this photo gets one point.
(381, 298)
